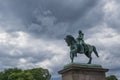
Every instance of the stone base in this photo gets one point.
(75, 71)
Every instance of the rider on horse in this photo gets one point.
(79, 46)
(80, 42)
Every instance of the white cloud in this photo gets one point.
(110, 6)
(9, 39)
(26, 49)
(22, 60)
(104, 35)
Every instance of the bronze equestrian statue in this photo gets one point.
(79, 46)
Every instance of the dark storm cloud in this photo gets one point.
(63, 18)
(39, 16)
(70, 10)
(62, 10)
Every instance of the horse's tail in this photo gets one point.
(95, 51)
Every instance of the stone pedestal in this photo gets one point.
(76, 71)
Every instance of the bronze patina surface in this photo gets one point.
(79, 46)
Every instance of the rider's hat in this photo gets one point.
(80, 32)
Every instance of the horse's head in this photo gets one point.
(69, 40)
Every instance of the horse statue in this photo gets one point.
(75, 48)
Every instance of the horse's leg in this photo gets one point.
(72, 60)
(72, 57)
(90, 59)
(88, 54)
(95, 51)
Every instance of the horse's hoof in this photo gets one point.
(89, 63)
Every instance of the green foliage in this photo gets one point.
(40, 74)
(30, 74)
(9, 71)
(112, 77)
(21, 76)
(1, 75)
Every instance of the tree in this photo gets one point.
(112, 77)
(29, 74)
(40, 73)
(21, 76)
(9, 71)
(1, 75)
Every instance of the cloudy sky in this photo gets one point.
(32, 33)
